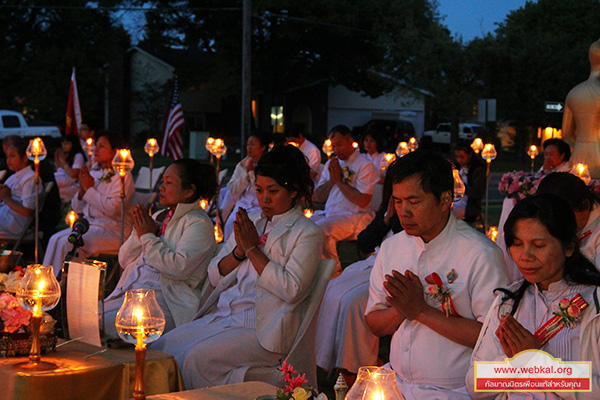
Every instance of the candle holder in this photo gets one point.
(488, 153)
(477, 145)
(327, 148)
(89, 146)
(388, 159)
(218, 150)
(459, 185)
(140, 321)
(36, 152)
(402, 149)
(413, 144)
(374, 383)
(581, 170)
(38, 291)
(71, 218)
(492, 233)
(122, 163)
(532, 152)
(209, 145)
(151, 148)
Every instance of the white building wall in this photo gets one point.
(353, 109)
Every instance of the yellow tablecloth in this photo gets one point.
(238, 391)
(109, 375)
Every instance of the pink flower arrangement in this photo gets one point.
(569, 312)
(13, 315)
(519, 184)
(293, 389)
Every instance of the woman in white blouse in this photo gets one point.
(240, 189)
(260, 278)
(170, 251)
(540, 234)
(68, 160)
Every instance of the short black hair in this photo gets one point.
(265, 138)
(341, 129)
(202, 176)
(287, 165)
(562, 146)
(433, 169)
(570, 188)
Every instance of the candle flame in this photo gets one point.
(152, 142)
(390, 157)
(581, 168)
(71, 217)
(218, 142)
(203, 204)
(308, 213)
(124, 153)
(89, 141)
(492, 233)
(378, 396)
(355, 145)
(218, 233)
(210, 140)
(328, 142)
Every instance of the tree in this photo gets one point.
(44, 40)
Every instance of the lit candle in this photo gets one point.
(308, 213)
(378, 396)
(581, 170)
(71, 217)
(492, 233)
(413, 144)
(203, 204)
(402, 149)
(140, 334)
(355, 145)
(477, 145)
(218, 233)
(327, 148)
(37, 308)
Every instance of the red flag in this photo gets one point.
(172, 141)
(73, 110)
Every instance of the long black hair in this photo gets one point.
(75, 148)
(558, 218)
(288, 167)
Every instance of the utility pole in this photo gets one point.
(246, 77)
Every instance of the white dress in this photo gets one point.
(101, 206)
(240, 193)
(535, 309)
(22, 190)
(427, 364)
(174, 265)
(249, 320)
(68, 186)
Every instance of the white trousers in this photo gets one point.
(96, 239)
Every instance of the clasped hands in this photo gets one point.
(86, 181)
(246, 236)
(514, 338)
(335, 170)
(142, 221)
(405, 294)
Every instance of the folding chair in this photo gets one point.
(145, 192)
(302, 354)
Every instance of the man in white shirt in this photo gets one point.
(432, 284)
(346, 187)
(310, 151)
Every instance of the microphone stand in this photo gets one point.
(73, 252)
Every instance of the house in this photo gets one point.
(321, 106)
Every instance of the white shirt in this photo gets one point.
(419, 355)
(535, 309)
(313, 156)
(63, 178)
(22, 190)
(363, 178)
(590, 244)
(241, 187)
(376, 159)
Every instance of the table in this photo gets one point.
(109, 375)
(237, 391)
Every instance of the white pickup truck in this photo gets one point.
(441, 135)
(13, 123)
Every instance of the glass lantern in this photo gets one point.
(388, 159)
(581, 170)
(36, 151)
(489, 152)
(140, 319)
(459, 185)
(327, 148)
(477, 145)
(402, 149)
(413, 144)
(151, 147)
(122, 161)
(374, 383)
(38, 291)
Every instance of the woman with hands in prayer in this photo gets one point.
(169, 252)
(260, 279)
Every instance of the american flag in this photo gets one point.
(172, 141)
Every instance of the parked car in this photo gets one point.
(393, 131)
(441, 135)
(13, 123)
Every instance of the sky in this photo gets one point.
(475, 18)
